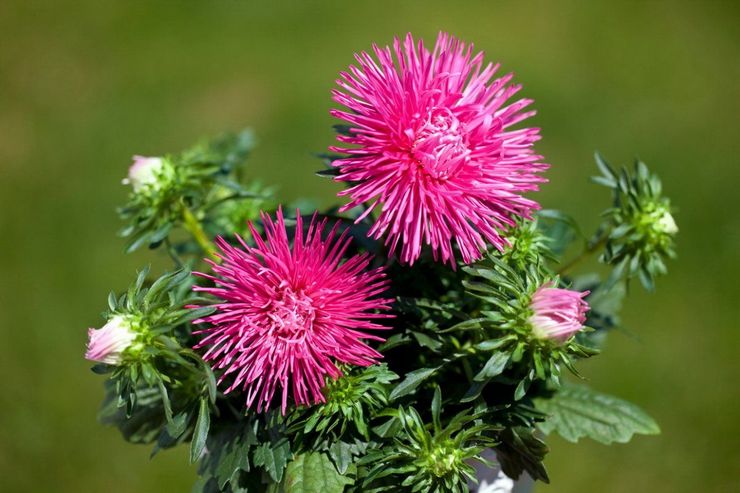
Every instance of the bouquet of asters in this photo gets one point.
(413, 337)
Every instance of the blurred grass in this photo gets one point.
(86, 84)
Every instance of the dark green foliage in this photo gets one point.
(463, 333)
(226, 465)
(273, 457)
(350, 401)
(520, 450)
(424, 456)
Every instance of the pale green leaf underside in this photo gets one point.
(577, 411)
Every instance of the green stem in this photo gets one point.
(194, 227)
(173, 253)
(588, 251)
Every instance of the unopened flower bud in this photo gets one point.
(558, 313)
(107, 344)
(145, 172)
(666, 224)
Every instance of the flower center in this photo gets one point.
(291, 314)
(440, 146)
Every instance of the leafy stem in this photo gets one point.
(193, 226)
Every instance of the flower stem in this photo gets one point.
(173, 253)
(591, 247)
(194, 227)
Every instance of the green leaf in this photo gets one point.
(523, 387)
(473, 392)
(228, 455)
(177, 426)
(200, 433)
(604, 167)
(102, 368)
(495, 343)
(577, 411)
(388, 429)
(314, 473)
(411, 382)
(273, 457)
(393, 341)
(426, 341)
(341, 454)
(494, 366)
(112, 301)
(165, 397)
(520, 450)
(436, 409)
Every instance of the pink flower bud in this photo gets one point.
(106, 345)
(144, 172)
(558, 313)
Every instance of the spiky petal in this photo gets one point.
(431, 144)
(558, 313)
(288, 314)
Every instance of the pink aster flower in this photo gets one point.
(107, 344)
(558, 313)
(287, 314)
(431, 142)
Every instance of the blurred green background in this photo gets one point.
(86, 84)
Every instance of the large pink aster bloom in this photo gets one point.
(557, 313)
(289, 314)
(431, 142)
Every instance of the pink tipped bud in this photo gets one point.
(558, 313)
(107, 344)
(144, 172)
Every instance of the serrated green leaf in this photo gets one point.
(273, 457)
(577, 411)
